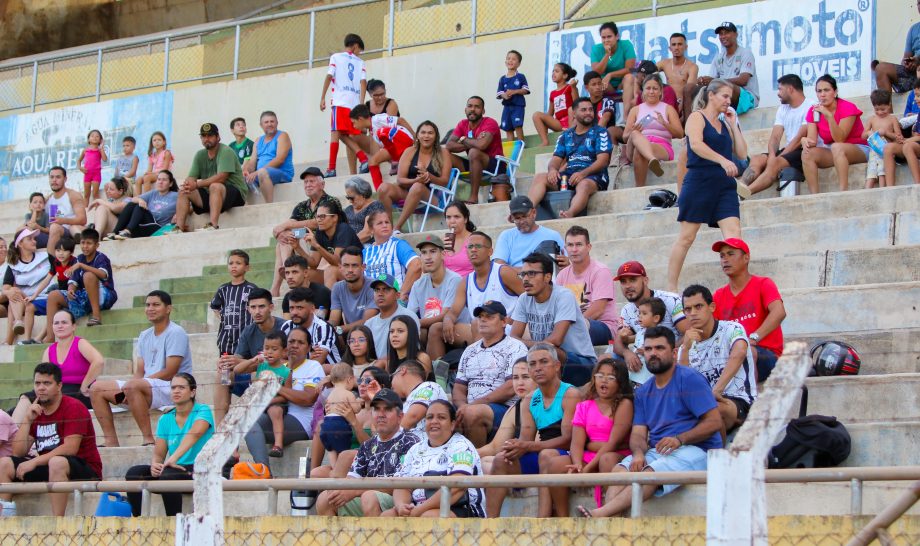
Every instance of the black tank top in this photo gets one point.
(383, 111)
(413, 167)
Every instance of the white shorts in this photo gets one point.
(159, 389)
(876, 166)
(686, 458)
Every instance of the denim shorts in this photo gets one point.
(277, 176)
(335, 433)
(685, 459)
(80, 306)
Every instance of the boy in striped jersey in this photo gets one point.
(230, 302)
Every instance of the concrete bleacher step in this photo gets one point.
(865, 400)
(891, 350)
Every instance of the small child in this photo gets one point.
(37, 217)
(90, 163)
(348, 78)
(158, 158)
(335, 432)
(273, 350)
(651, 312)
(241, 145)
(887, 126)
(62, 261)
(229, 303)
(126, 164)
(557, 115)
(511, 90)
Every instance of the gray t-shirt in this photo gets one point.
(542, 318)
(161, 207)
(426, 301)
(155, 349)
(742, 62)
(352, 305)
(380, 328)
(252, 339)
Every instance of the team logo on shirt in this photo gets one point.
(463, 458)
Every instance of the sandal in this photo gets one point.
(122, 235)
(93, 321)
(277, 451)
(582, 512)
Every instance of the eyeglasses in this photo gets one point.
(603, 377)
(530, 274)
(355, 340)
(323, 216)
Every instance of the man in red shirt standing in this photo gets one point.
(480, 138)
(62, 430)
(753, 301)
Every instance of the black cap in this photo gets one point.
(520, 204)
(311, 171)
(208, 129)
(388, 397)
(727, 25)
(492, 307)
(647, 67)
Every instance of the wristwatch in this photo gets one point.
(339, 330)
(461, 139)
(754, 338)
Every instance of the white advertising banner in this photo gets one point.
(809, 38)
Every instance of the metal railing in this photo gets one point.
(854, 476)
(282, 41)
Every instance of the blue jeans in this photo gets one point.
(578, 368)
(599, 332)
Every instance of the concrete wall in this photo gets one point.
(895, 17)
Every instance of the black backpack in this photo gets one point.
(812, 441)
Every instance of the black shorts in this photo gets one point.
(793, 158)
(906, 80)
(743, 407)
(233, 199)
(68, 389)
(493, 163)
(79, 470)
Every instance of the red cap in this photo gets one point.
(630, 269)
(732, 242)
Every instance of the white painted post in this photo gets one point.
(736, 495)
(205, 527)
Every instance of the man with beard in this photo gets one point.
(634, 285)
(297, 275)
(302, 306)
(215, 182)
(432, 294)
(676, 422)
(552, 315)
(62, 430)
(579, 161)
(480, 138)
(66, 209)
(790, 122)
(352, 298)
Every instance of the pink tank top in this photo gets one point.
(92, 159)
(75, 365)
(158, 160)
(459, 261)
(655, 128)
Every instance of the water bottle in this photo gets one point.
(321, 312)
(225, 375)
(564, 183)
(7, 509)
(815, 116)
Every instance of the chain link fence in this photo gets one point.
(317, 531)
(295, 40)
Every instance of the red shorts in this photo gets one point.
(340, 120)
(395, 141)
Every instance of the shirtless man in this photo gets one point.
(680, 70)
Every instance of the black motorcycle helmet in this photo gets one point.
(835, 358)
(661, 199)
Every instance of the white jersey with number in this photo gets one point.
(494, 290)
(347, 71)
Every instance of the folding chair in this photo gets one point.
(438, 198)
(513, 150)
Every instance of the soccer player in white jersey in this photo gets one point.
(348, 79)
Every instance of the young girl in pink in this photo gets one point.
(158, 159)
(600, 429)
(90, 162)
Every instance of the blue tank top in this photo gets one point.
(548, 420)
(267, 151)
(720, 144)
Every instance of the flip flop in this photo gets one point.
(147, 444)
(582, 512)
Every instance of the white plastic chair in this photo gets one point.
(439, 197)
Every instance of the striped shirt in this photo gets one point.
(323, 334)
(230, 301)
(391, 257)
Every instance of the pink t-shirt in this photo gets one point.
(486, 125)
(592, 284)
(458, 261)
(597, 426)
(845, 109)
(8, 430)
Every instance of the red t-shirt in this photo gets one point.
(749, 308)
(70, 418)
(486, 125)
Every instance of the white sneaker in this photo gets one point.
(7, 508)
